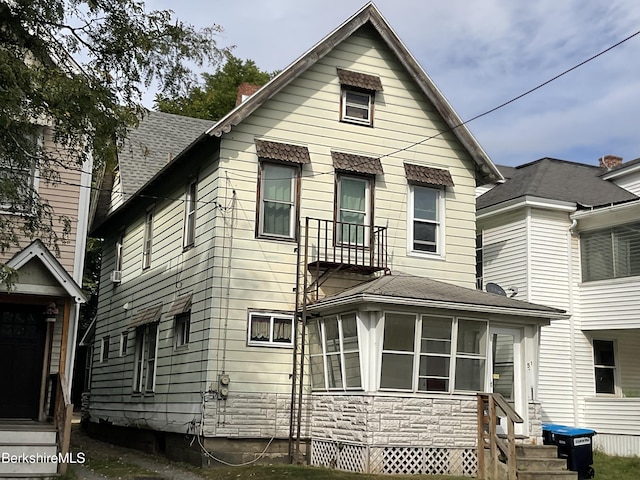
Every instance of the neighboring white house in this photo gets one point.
(327, 221)
(567, 235)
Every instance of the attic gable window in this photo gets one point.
(357, 96)
(278, 188)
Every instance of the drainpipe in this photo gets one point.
(572, 341)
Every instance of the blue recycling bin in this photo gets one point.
(573, 443)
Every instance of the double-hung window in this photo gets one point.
(334, 353)
(611, 252)
(18, 176)
(354, 209)
(605, 366)
(190, 215)
(357, 96)
(104, 349)
(424, 223)
(426, 353)
(270, 329)
(278, 200)
(425, 215)
(183, 328)
(144, 375)
(148, 240)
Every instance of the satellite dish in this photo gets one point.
(495, 288)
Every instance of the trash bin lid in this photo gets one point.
(566, 430)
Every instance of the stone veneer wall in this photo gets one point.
(252, 415)
(395, 420)
(535, 423)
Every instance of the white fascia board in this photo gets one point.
(621, 172)
(527, 201)
(467, 307)
(609, 209)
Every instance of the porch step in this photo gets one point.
(541, 462)
(536, 451)
(26, 449)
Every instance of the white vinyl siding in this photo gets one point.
(629, 182)
(610, 304)
(261, 272)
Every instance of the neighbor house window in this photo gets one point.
(424, 219)
(433, 354)
(183, 328)
(479, 262)
(148, 240)
(18, 179)
(610, 253)
(190, 215)
(104, 349)
(144, 378)
(357, 106)
(605, 366)
(277, 200)
(354, 209)
(334, 353)
(270, 329)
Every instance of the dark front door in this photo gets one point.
(22, 339)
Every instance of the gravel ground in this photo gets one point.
(108, 461)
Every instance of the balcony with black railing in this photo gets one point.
(348, 247)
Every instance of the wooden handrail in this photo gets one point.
(488, 404)
(62, 418)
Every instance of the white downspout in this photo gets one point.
(572, 341)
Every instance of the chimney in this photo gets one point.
(245, 90)
(610, 161)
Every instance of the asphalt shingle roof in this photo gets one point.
(148, 148)
(555, 180)
(400, 285)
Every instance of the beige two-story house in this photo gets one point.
(300, 279)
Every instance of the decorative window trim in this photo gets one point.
(439, 223)
(147, 244)
(189, 233)
(273, 318)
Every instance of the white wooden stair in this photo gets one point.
(30, 443)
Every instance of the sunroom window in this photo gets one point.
(334, 351)
(433, 354)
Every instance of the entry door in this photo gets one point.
(506, 372)
(22, 340)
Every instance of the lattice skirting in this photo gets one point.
(354, 457)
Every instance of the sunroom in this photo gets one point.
(396, 365)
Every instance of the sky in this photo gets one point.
(480, 54)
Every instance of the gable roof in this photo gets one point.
(367, 15)
(554, 179)
(37, 251)
(410, 290)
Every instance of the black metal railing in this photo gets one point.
(350, 246)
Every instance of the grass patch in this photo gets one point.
(116, 467)
(609, 467)
(299, 472)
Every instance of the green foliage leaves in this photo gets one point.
(217, 96)
(72, 76)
